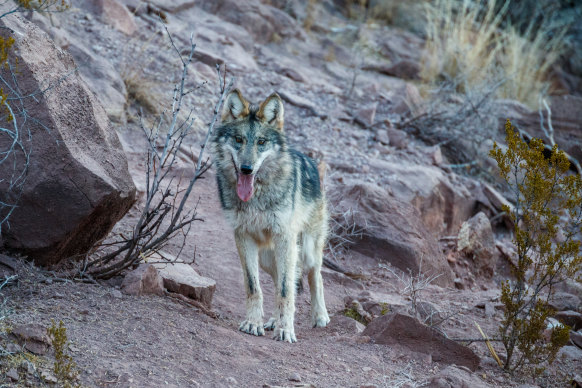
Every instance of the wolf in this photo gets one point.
(272, 197)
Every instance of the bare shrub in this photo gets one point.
(458, 122)
(412, 285)
(163, 216)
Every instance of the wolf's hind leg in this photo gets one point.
(249, 259)
(313, 258)
(267, 262)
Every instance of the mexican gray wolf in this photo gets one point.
(272, 197)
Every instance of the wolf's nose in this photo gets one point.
(246, 169)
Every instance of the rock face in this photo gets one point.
(78, 185)
(477, 241)
(113, 13)
(395, 232)
(399, 329)
(142, 281)
(182, 279)
(264, 22)
(33, 337)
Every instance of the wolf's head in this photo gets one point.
(250, 141)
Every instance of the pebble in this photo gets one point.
(295, 377)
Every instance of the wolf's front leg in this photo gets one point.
(286, 261)
(249, 259)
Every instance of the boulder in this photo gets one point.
(570, 353)
(562, 301)
(444, 201)
(576, 338)
(344, 325)
(476, 240)
(393, 231)
(143, 280)
(113, 13)
(404, 69)
(570, 318)
(181, 278)
(264, 22)
(173, 6)
(403, 330)
(566, 121)
(78, 185)
(33, 337)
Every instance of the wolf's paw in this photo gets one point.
(252, 327)
(320, 320)
(270, 325)
(285, 335)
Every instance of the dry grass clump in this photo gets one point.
(466, 41)
(141, 89)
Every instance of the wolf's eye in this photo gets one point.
(238, 139)
(261, 141)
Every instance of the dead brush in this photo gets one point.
(343, 233)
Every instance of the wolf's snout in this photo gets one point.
(246, 169)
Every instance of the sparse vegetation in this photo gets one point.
(547, 218)
(65, 369)
(413, 284)
(466, 41)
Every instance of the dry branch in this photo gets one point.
(164, 215)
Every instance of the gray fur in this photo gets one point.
(283, 226)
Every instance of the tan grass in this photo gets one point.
(466, 43)
(141, 88)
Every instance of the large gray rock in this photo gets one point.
(78, 185)
(393, 231)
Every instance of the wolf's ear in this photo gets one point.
(235, 107)
(271, 111)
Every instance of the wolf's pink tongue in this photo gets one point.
(244, 186)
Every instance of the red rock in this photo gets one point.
(78, 185)
(33, 337)
(365, 116)
(405, 69)
(143, 280)
(394, 231)
(476, 240)
(182, 279)
(115, 14)
(403, 330)
(562, 301)
(344, 325)
(570, 318)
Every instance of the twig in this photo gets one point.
(489, 346)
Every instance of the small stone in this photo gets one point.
(295, 377)
(382, 137)
(48, 377)
(12, 374)
(116, 294)
(366, 369)
(232, 381)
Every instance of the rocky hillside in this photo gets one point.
(412, 193)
